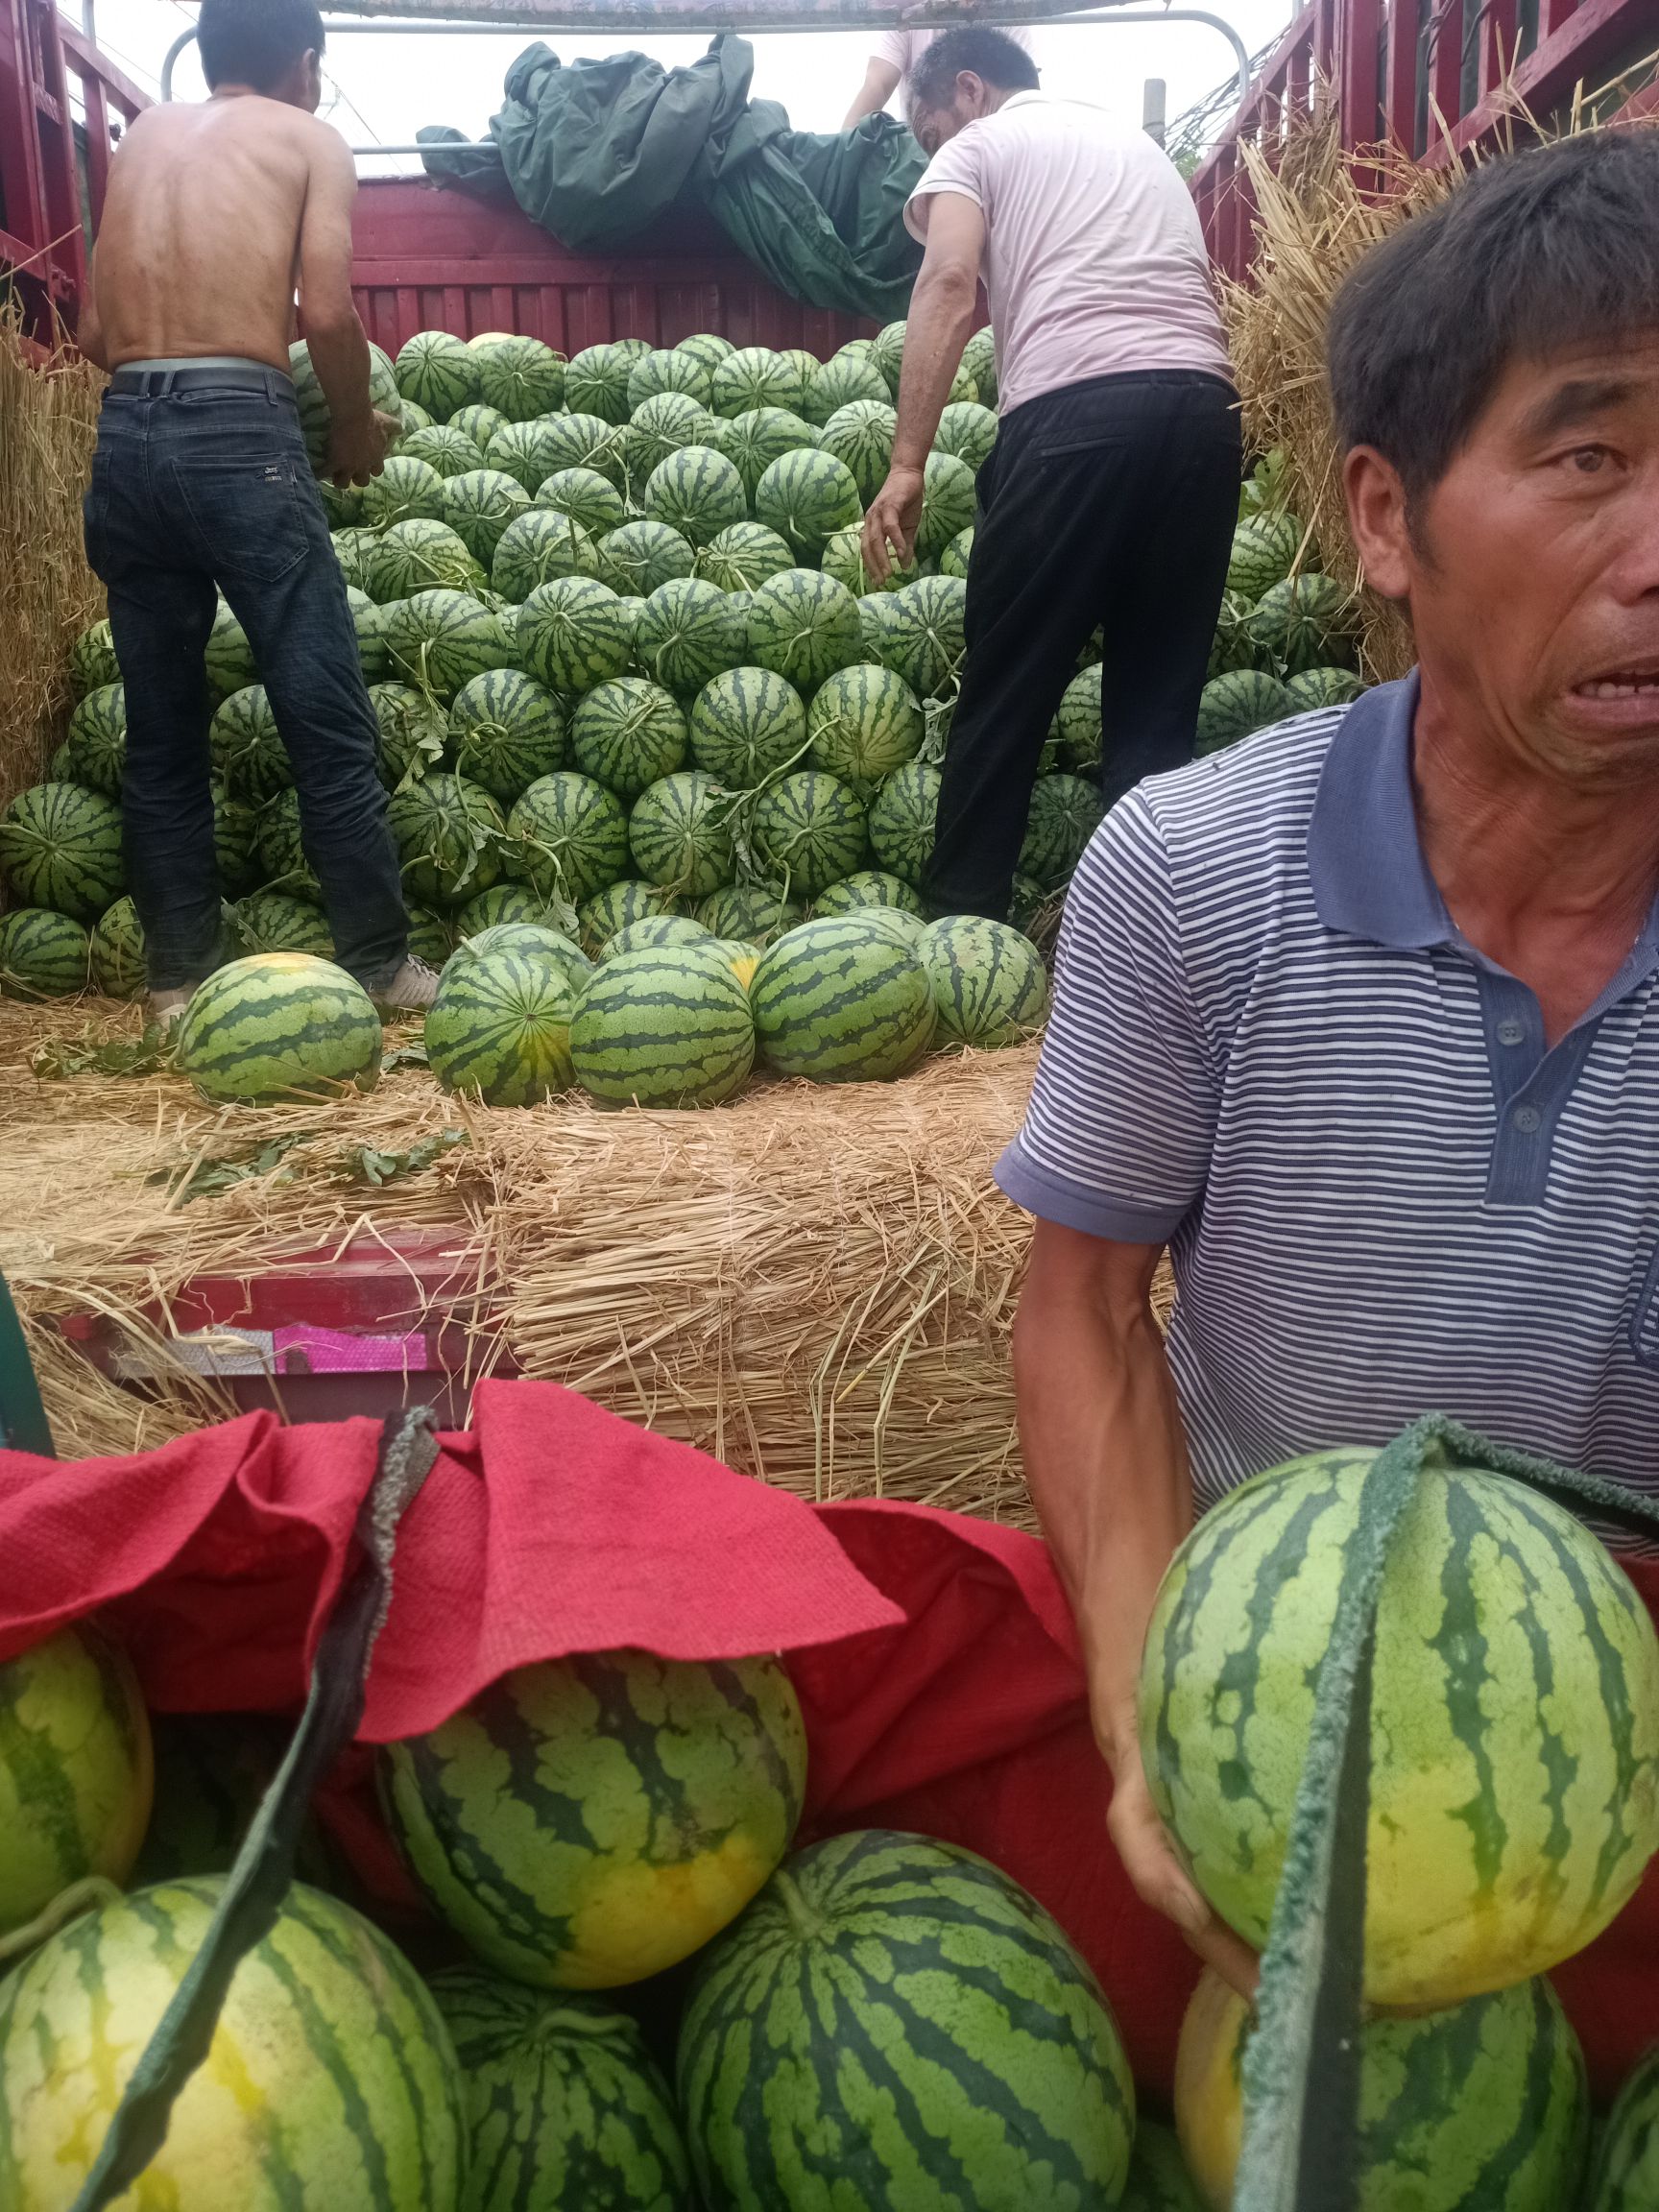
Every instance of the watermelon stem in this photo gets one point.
(85, 1896)
(809, 1923)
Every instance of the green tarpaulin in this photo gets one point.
(596, 151)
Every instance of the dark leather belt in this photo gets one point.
(158, 383)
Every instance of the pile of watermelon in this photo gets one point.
(1285, 641)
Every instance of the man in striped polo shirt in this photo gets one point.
(1359, 1019)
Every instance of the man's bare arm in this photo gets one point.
(89, 323)
(935, 331)
(1107, 1465)
(880, 82)
(333, 329)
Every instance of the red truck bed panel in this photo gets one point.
(428, 259)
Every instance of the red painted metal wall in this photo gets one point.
(1432, 76)
(428, 258)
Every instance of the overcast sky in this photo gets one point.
(382, 88)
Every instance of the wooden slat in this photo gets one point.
(1399, 91)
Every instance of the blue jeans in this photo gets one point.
(210, 487)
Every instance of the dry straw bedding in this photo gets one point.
(817, 1285)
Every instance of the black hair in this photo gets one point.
(255, 41)
(1540, 251)
(985, 53)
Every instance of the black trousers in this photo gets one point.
(1113, 503)
(188, 489)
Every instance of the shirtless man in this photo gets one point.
(202, 479)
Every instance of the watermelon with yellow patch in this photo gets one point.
(589, 1821)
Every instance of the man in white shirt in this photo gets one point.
(895, 53)
(1112, 491)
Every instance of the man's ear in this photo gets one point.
(1380, 517)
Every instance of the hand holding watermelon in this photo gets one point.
(356, 455)
(894, 519)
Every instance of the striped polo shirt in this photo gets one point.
(1383, 1196)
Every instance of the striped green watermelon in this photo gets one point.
(635, 560)
(902, 817)
(1477, 2108)
(663, 1026)
(652, 932)
(584, 442)
(924, 638)
(667, 371)
(755, 376)
(420, 555)
(369, 622)
(521, 377)
(330, 2080)
(954, 561)
(448, 451)
(894, 2023)
(748, 913)
(506, 730)
(448, 834)
(841, 381)
(413, 732)
(574, 634)
(413, 417)
(228, 656)
(92, 661)
(279, 844)
(1311, 689)
(679, 833)
(501, 903)
(658, 426)
(116, 951)
(805, 496)
(887, 351)
(843, 1000)
(44, 954)
(315, 423)
(990, 985)
(1027, 904)
(590, 1820)
(1234, 705)
(405, 488)
(880, 622)
(277, 1025)
(805, 364)
(270, 922)
(969, 431)
(1157, 2178)
(587, 497)
(597, 383)
(707, 347)
(980, 360)
(746, 725)
(528, 452)
(1264, 549)
(60, 847)
(537, 548)
(234, 829)
(843, 558)
(1624, 2172)
(860, 437)
(628, 733)
(499, 1029)
(1231, 646)
(478, 422)
(804, 626)
(1077, 722)
(533, 941)
(687, 632)
(439, 641)
(619, 906)
(567, 2110)
(763, 435)
(1514, 1743)
(96, 746)
(1305, 622)
(1065, 814)
(864, 722)
(810, 831)
(870, 891)
(76, 1774)
(430, 937)
(743, 556)
(567, 838)
(352, 547)
(696, 492)
(948, 499)
(440, 373)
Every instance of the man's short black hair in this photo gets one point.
(988, 54)
(255, 41)
(1539, 252)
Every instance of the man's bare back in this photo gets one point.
(199, 251)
